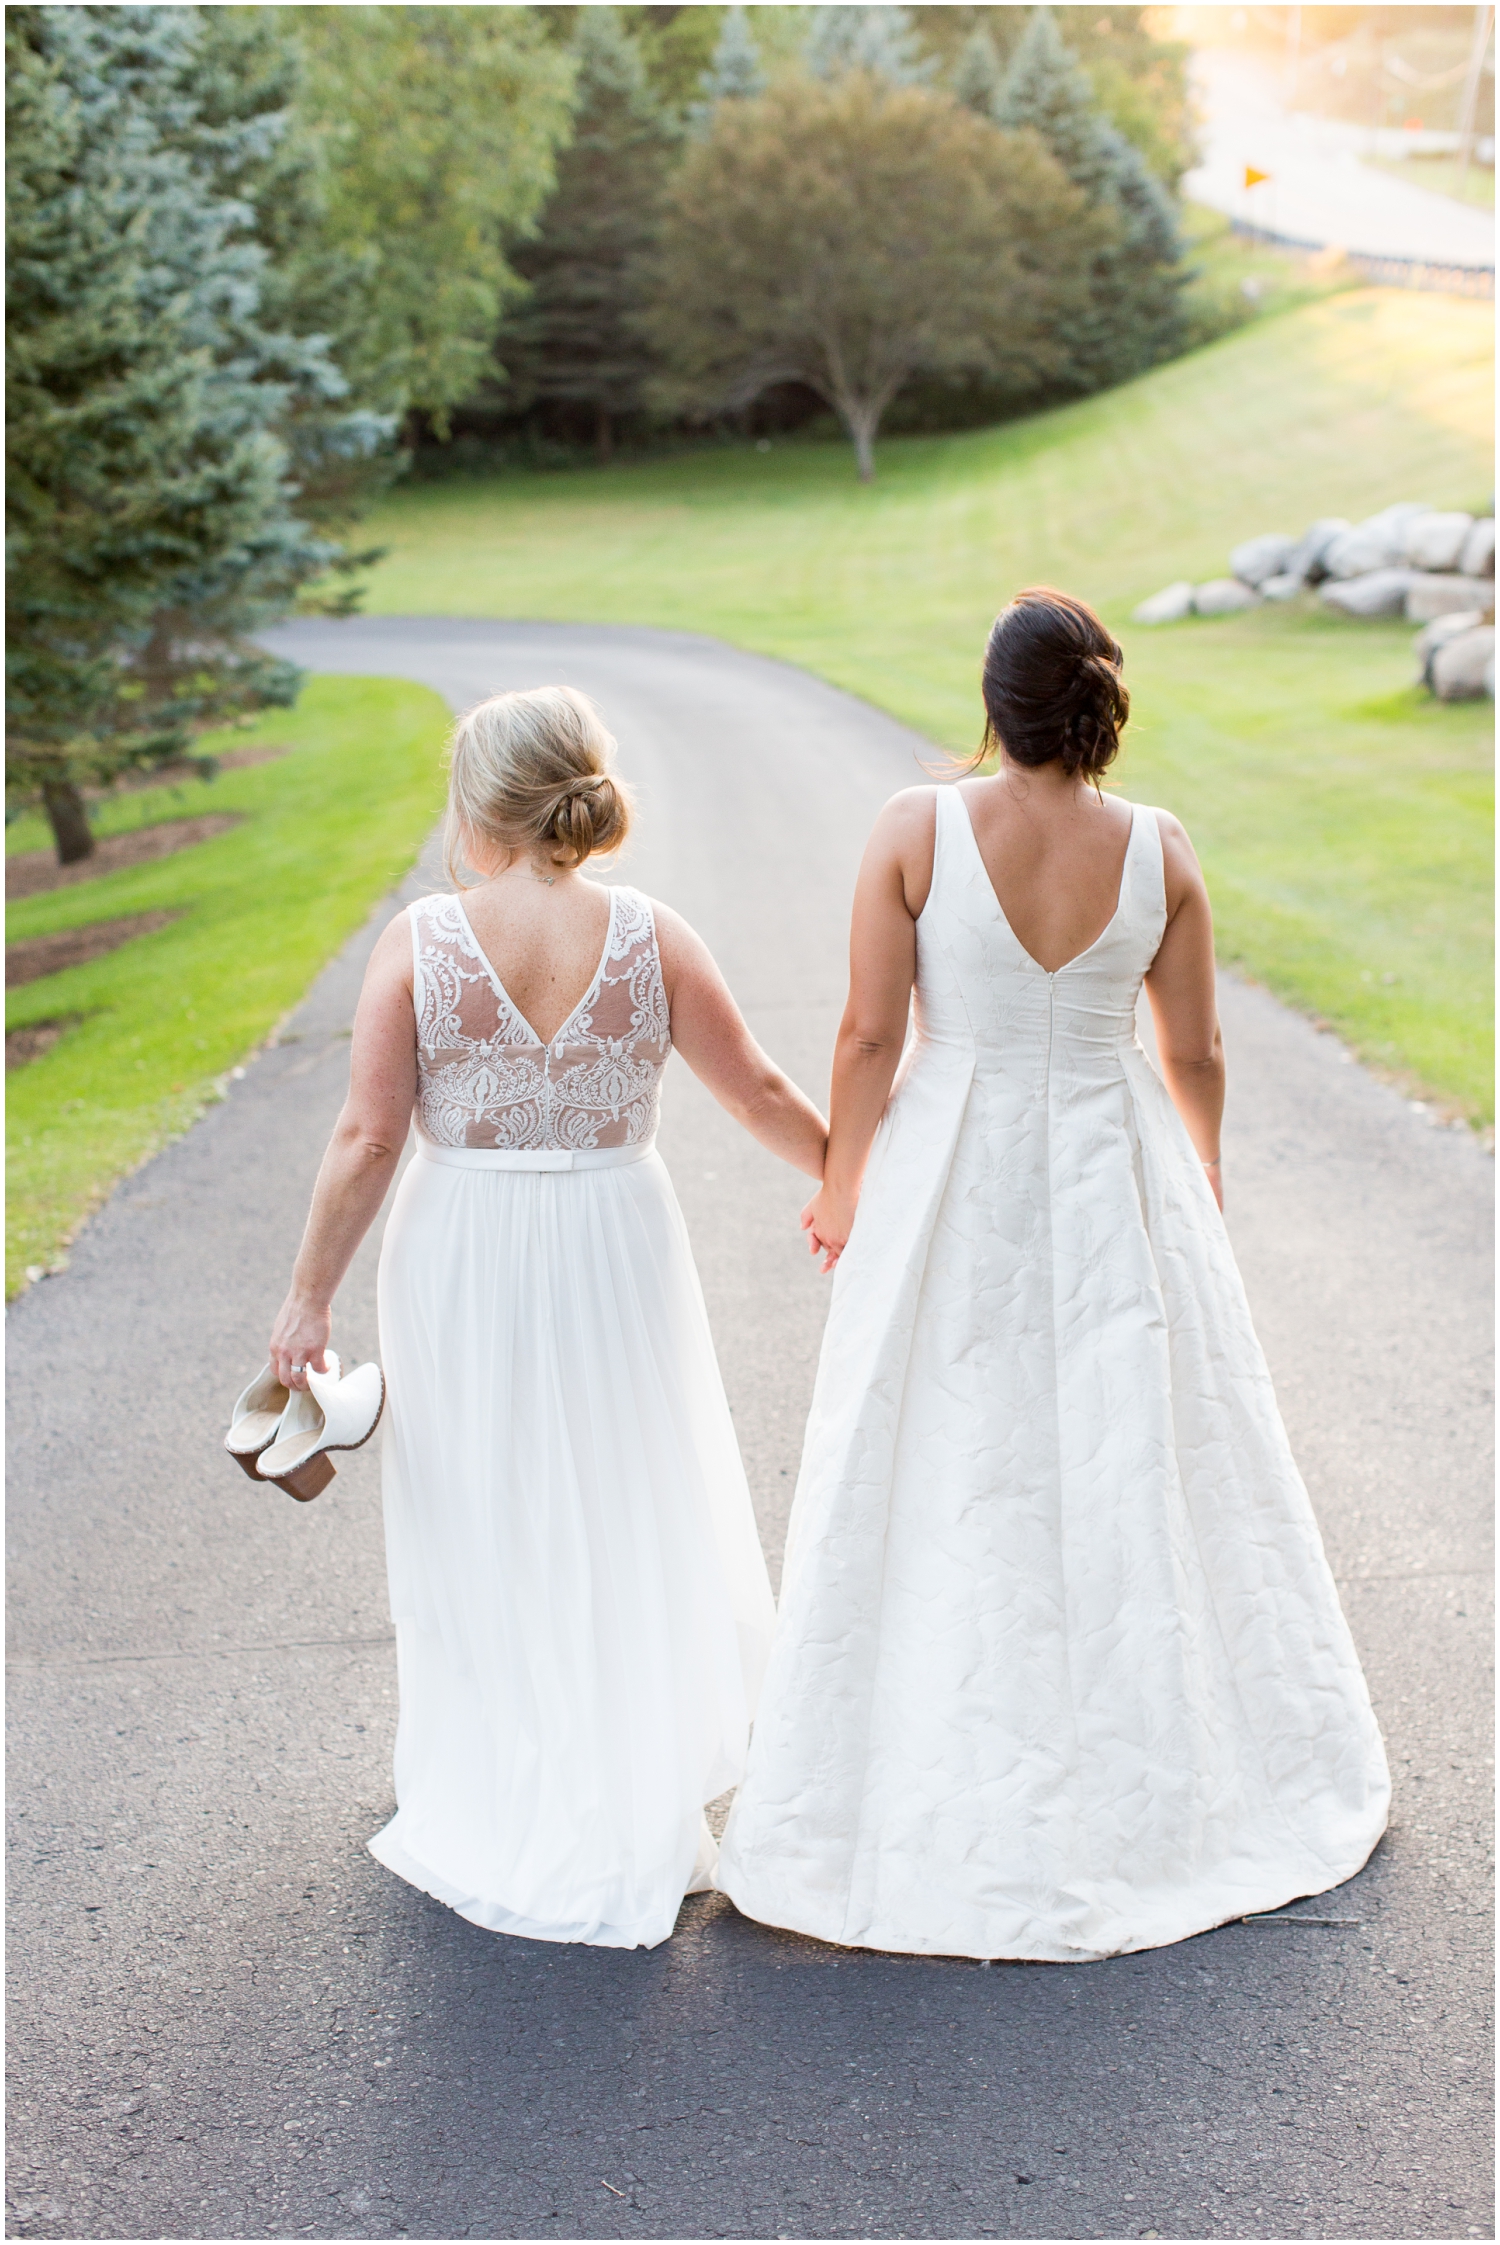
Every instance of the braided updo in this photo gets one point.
(1052, 687)
(531, 770)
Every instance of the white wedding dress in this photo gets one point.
(1060, 1669)
(581, 1606)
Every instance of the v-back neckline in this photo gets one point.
(1050, 972)
(504, 995)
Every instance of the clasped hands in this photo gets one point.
(826, 1220)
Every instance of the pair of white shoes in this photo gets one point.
(284, 1435)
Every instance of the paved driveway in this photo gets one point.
(226, 2020)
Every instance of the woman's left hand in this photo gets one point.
(827, 1221)
(298, 1338)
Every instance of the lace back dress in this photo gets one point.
(581, 1606)
(1060, 1669)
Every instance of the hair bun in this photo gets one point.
(1052, 686)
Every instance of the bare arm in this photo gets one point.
(891, 890)
(1180, 987)
(361, 1158)
(709, 1031)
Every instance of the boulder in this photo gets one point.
(1437, 634)
(1435, 541)
(1168, 606)
(1259, 558)
(1284, 587)
(1223, 596)
(1306, 558)
(1380, 592)
(1429, 596)
(1379, 543)
(1478, 556)
(1464, 670)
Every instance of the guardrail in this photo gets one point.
(1390, 272)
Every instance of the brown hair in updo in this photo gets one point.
(1052, 687)
(532, 769)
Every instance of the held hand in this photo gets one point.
(827, 1222)
(299, 1337)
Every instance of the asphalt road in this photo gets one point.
(227, 2020)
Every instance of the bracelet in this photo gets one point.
(1215, 1163)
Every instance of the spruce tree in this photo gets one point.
(576, 340)
(879, 40)
(979, 74)
(736, 72)
(1133, 316)
(151, 514)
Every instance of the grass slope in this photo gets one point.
(1343, 819)
(327, 830)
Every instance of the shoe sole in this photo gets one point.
(305, 1481)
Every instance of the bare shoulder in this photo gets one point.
(902, 844)
(679, 946)
(1181, 871)
(390, 961)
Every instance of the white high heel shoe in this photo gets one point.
(256, 1417)
(331, 1413)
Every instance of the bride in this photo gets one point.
(581, 1606)
(1060, 1669)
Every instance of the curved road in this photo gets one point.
(226, 2020)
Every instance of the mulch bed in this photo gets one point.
(37, 955)
(36, 1038)
(33, 872)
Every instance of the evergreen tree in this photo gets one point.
(576, 340)
(979, 74)
(879, 40)
(151, 518)
(736, 72)
(1133, 316)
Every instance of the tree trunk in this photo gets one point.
(68, 817)
(862, 428)
(604, 434)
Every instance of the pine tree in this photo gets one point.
(736, 72)
(151, 518)
(1133, 317)
(576, 340)
(879, 40)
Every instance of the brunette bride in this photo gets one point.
(1060, 1668)
(581, 1606)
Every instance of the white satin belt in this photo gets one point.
(537, 1158)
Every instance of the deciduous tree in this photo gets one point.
(851, 235)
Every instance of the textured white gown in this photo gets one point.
(1060, 1669)
(581, 1606)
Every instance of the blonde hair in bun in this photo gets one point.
(531, 769)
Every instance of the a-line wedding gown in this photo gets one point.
(581, 1606)
(1060, 1669)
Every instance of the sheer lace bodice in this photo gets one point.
(483, 1076)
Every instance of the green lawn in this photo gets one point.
(1343, 818)
(328, 829)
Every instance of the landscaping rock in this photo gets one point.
(1447, 596)
(1223, 596)
(1285, 587)
(1306, 558)
(1435, 541)
(1438, 634)
(1378, 543)
(1168, 606)
(1380, 592)
(1478, 556)
(1464, 670)
(1259, 558)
